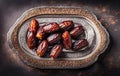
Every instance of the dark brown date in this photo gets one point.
(67, 42)
(66, 25)
(51, 27)
(80, 44)
(40, 33)
(42, 48)
(31, 40)
(49, 37)
(33, 26)
(76, 31)
(54, 38)
(55, 51)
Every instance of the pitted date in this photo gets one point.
(51, 27)
(54, 38)
(80, 44)
(67, 42)
(55, 51)
(33, 26)
(40, 33)
(31, 40)
(66, 25)
(42, 48)
(76, 31)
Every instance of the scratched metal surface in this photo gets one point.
(108, 12)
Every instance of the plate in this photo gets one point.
(95, 33)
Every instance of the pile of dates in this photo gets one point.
(59, 36)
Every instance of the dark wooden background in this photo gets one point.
(107, 11)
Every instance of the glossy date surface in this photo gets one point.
(79, 44)
(42, 48)
(67, 42)
(55, 51)
(66, 25)
(51, 27)
(31, 40)
(76, 31)
(33, 26)
(54, 37)
(40, 33)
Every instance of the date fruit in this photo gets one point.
(66, 25)
(33, 26)
(54, 38)
(50, 36)
(40, 33)
(80, 44)
(55, 51)
(76, 31)
(42, 48)
(31, 40)
(51, 27)
(67, 41)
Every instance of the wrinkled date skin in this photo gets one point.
(49, 37)
(80, 44)
(51, 27)
(54, 38)
(66, 25)
(76, 31)
(55, 51)
(40, 33)
(67, 42)
(33, 26)
(42, 48)
(31, 40)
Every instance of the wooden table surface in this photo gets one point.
(108, 12)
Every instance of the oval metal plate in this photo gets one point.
(95, 33)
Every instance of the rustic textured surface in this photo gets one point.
(83, 61)
(108, 13)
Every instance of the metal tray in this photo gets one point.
(95, 33)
